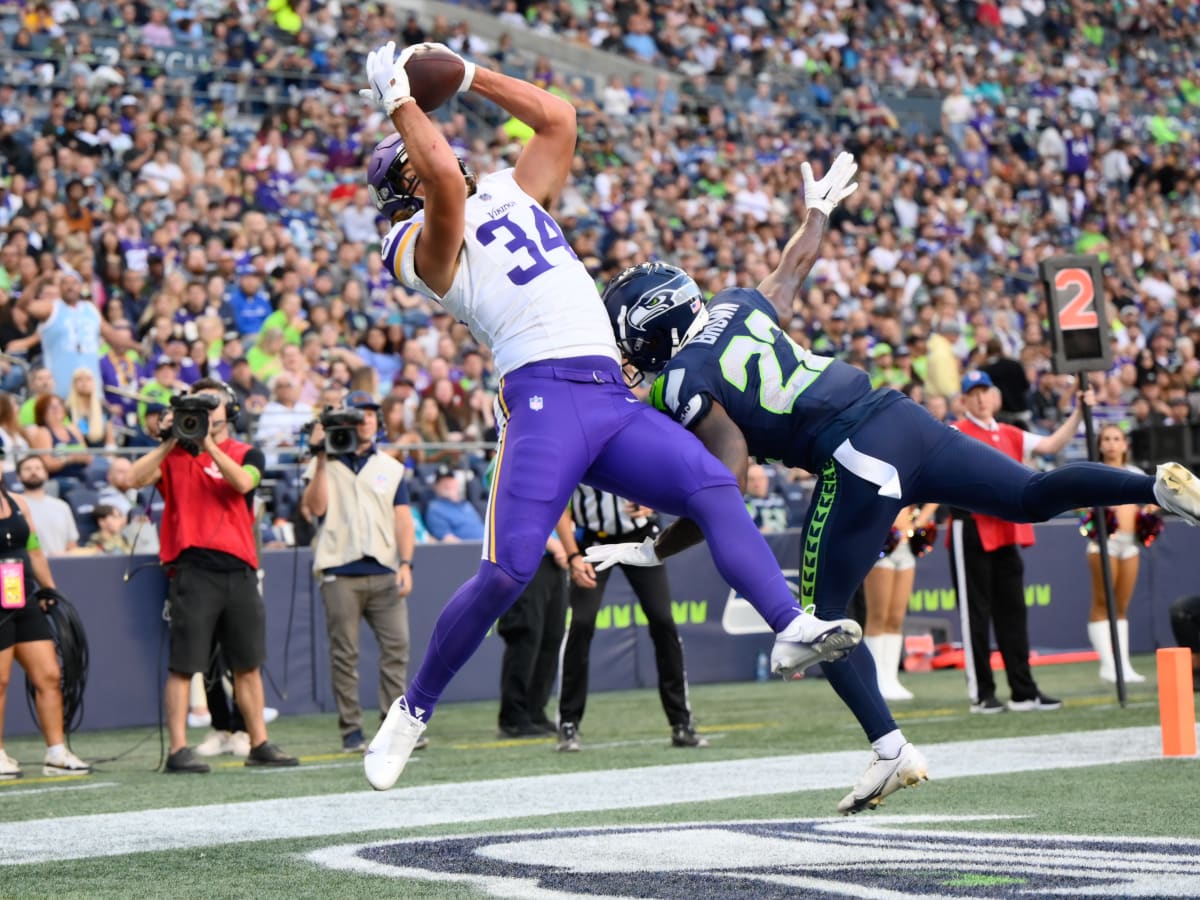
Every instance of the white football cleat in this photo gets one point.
(883, 778)
(808, 640)
(1177, 489)
(392, 745)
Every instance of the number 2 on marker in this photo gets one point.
(1078, 312)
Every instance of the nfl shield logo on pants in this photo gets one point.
(535, 402)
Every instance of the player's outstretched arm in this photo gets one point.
(431, 159)
(782, 286)
(725, 441)
(544, 164)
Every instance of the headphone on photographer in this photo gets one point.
(233, 407)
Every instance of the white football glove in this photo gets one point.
(835, 187)
(605, 556)
(387, 77)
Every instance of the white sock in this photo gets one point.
(55, 750)
(890, 745)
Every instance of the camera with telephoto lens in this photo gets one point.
(189, 421)
(341, 430)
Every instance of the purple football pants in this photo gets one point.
(573, 420)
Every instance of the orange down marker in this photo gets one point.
(1176, 703)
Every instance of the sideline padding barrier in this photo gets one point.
(126, 632)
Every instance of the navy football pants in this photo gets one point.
(919, 460)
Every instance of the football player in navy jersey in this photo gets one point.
(728, 371)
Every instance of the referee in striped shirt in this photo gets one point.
(604, 518)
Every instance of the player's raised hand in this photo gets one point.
(605, 556)
(387, 77)
(836, 185)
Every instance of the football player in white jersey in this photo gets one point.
(490, 253)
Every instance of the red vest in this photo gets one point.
(201, 508)
(996, 533)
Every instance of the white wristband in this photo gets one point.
(399, 102)
(468, 77)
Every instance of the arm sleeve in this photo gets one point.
(254, 459)
(671, 394)
(401, 494)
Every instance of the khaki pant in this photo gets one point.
(348, 600)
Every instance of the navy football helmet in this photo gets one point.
(393, 190)
(654, 308)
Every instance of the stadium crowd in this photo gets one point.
(183, 195)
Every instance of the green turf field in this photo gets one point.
(751, 815)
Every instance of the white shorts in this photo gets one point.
(1122, 545)
(900, 559)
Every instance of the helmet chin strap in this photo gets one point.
(694, 329)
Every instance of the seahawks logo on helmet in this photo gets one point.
(654, 308)
(679, 291)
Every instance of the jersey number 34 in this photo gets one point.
(762, 344)
(549, 235)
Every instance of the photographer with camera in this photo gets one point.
(362, 553)
(207, 480)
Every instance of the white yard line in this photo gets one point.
(112, 834)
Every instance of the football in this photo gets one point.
(434, 74)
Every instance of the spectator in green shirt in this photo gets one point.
(289, 318)
(264, 356)
(41, 381)
(161, 388)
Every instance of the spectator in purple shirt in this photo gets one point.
(120, 371)
(1079, 150)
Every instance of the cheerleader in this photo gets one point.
(888, 587)
(1123, 549)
